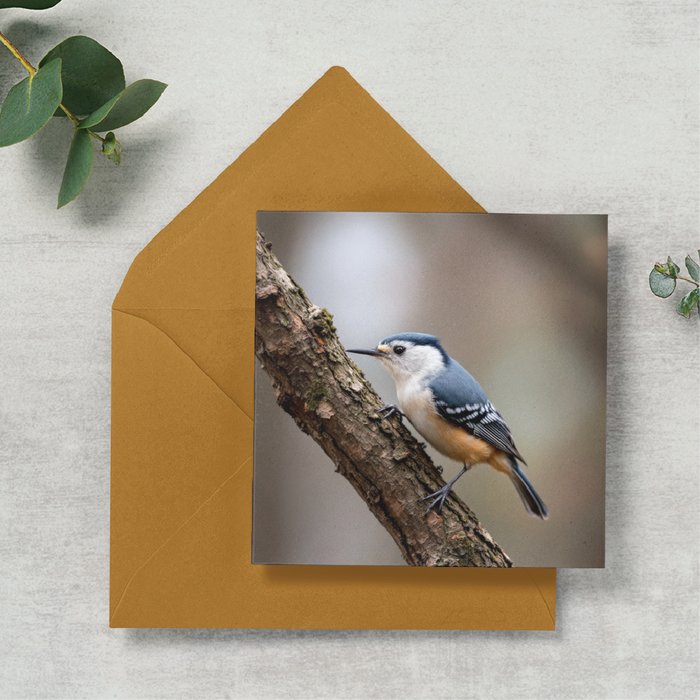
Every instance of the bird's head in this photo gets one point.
(409, 355)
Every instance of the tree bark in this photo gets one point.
(329, 398)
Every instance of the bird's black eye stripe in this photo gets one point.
(399, 349)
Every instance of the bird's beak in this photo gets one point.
(373, 352)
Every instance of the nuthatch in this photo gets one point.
(450, 410)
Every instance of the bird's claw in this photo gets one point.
(441, 496)
(442, 493)
(391, 409)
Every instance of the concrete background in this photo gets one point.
(556, 107)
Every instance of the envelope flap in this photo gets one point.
(163, 471)
(356, 147)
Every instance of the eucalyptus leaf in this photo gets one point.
(693, 268)
(29, 4)
(30, 104)
(91, 74)
(673, 269)
(99, 114)
(688, 302)
(126, 107)
(78, 167)
(661, 284)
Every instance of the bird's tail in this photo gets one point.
(530, 498)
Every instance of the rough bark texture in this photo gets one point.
(329, 398)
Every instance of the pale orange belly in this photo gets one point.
(456, 443)
(452, 441)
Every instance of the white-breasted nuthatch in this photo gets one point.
(450, 410)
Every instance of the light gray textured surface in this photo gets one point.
(561, 107)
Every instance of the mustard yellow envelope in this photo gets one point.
(182, 399)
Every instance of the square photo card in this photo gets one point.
(430, 389)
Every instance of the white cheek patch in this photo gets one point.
(425, 361)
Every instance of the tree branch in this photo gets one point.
(330, 399)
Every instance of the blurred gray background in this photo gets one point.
(520, 301)
(558, 107)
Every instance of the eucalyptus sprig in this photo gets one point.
(79, 79)
(662, 281)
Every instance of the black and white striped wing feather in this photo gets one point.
(483, 421)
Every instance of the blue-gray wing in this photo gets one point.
(461, 401)
(483, 421)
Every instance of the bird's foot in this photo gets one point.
(391, 409)
(440, 500)
(442, 493)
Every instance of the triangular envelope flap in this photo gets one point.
(347, 134)
(167, 471)
(356, 172)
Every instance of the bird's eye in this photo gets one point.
(399, 349)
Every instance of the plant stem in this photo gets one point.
(30, 68)
(70, 115)
(687, 279)
(95, 136)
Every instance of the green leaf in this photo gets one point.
(112, 148)
(78, 167)
(693, 268)
(661, 284)
(99, 114)
(29, 4)
(673, 269)
(91, 74)
(30, 104)
(688, 302)
(128, 106)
